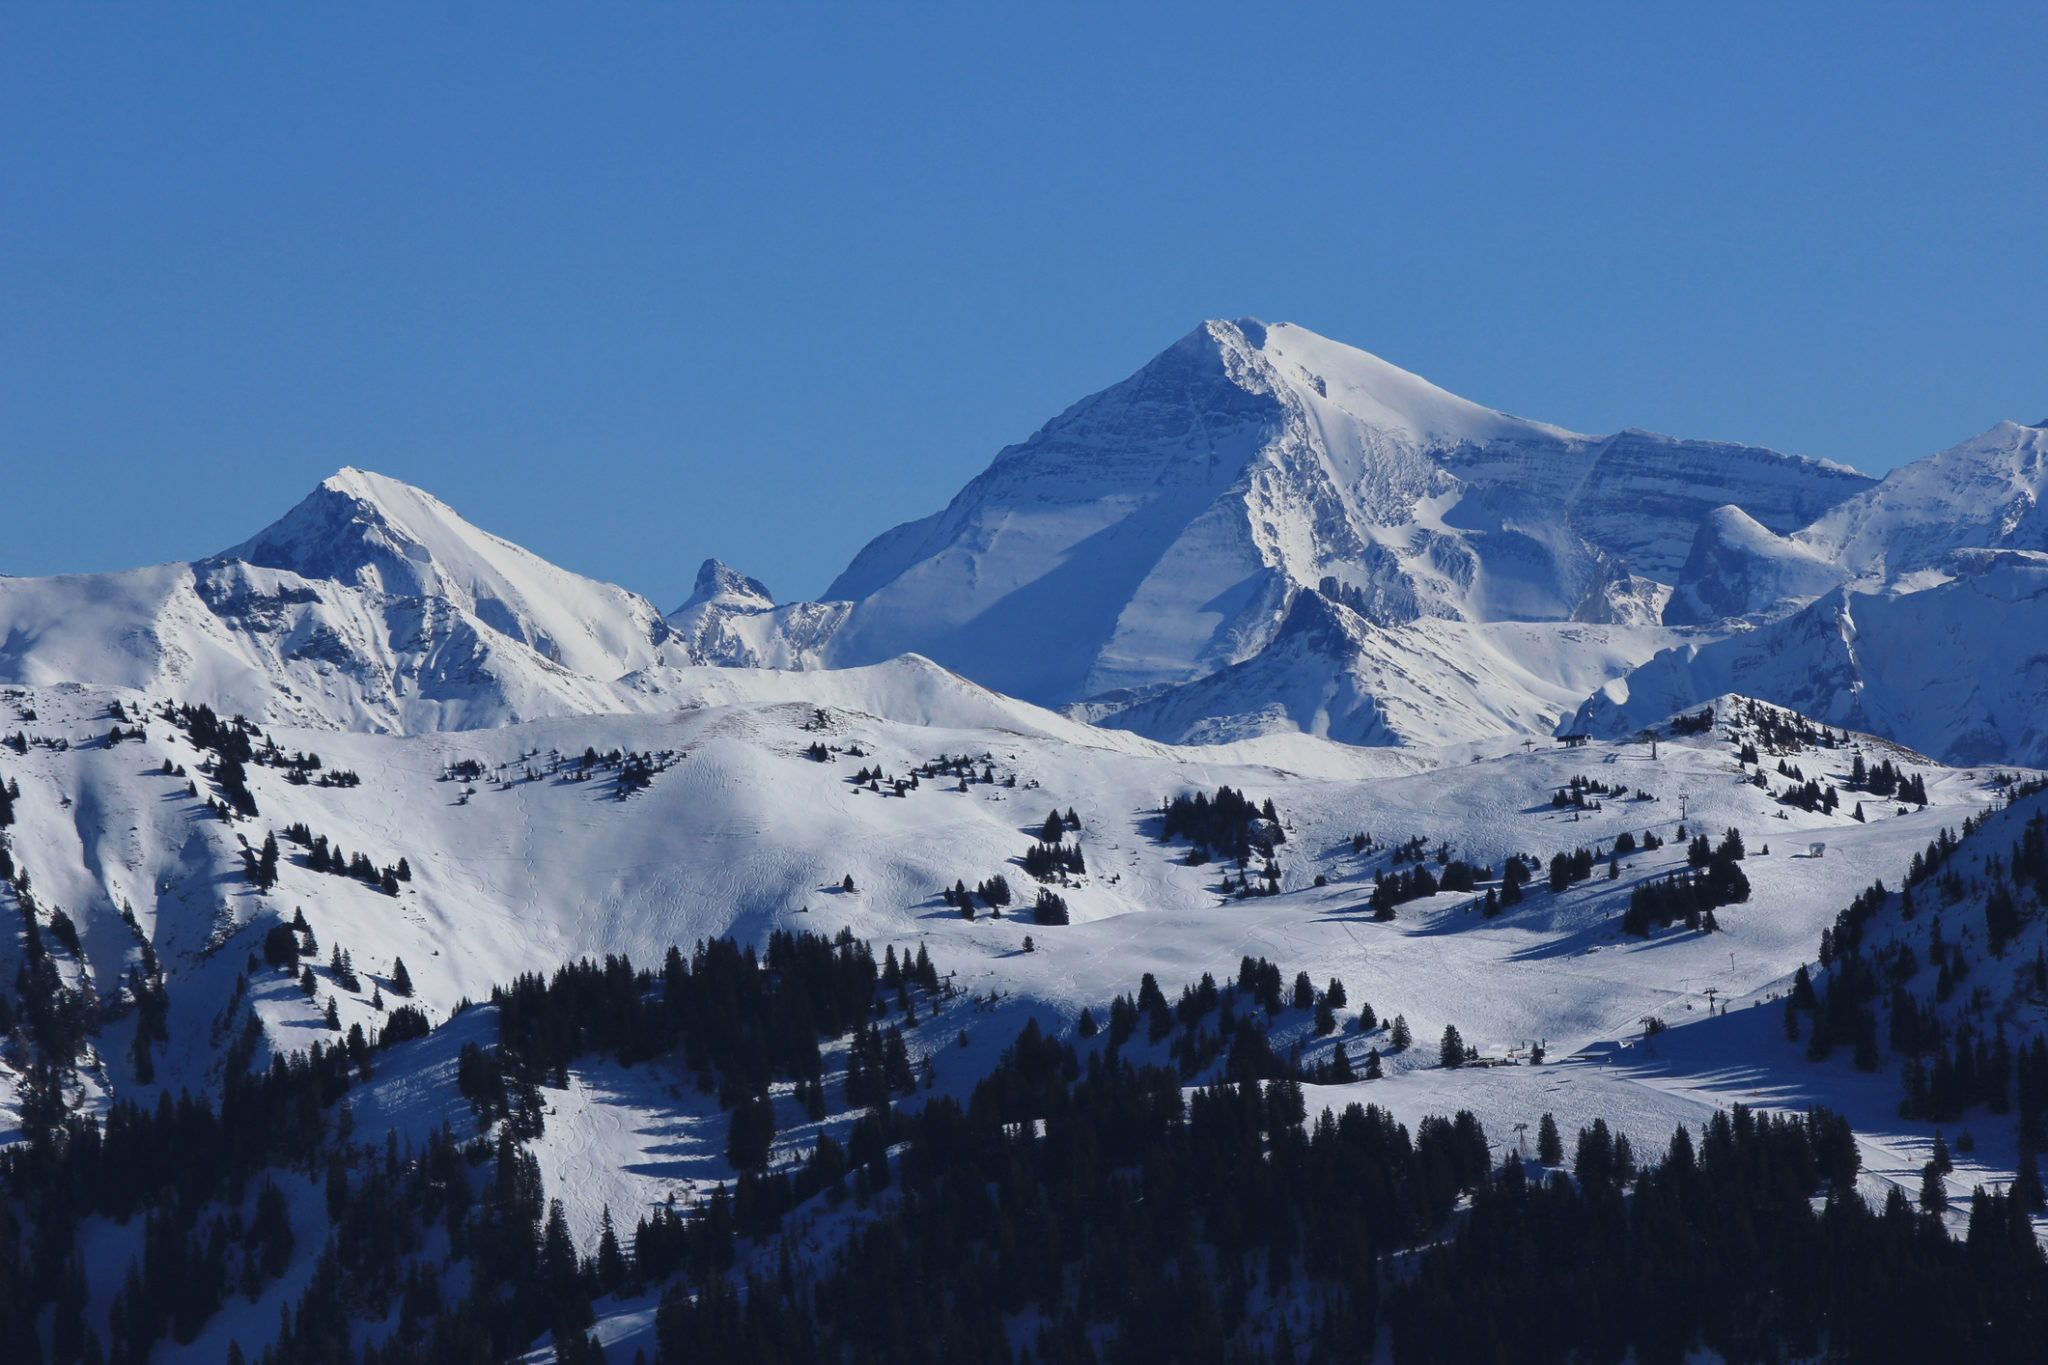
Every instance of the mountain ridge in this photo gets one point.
(1160, 534)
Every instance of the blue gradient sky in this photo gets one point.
(633, 285)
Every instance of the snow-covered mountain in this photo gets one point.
(1913, 609)
(1985, 493)
(370, 605)
(1740, 567)
(1159, 530)
(731, 621)
(1958, 670)
(1261, 530)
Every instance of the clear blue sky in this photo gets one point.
(634, 285)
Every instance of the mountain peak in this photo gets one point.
(1367, 388)
(371, 531)
(716, 582)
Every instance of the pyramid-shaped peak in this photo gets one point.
(1358, 384)
(368, 529)
(383, 492)
(716, 582)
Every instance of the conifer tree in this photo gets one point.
(611, 1261)
(2026, 1186)
(1401, 1038)
(1933, 1190)
(1549, 1144)
(1452, 1051)
(266, 863)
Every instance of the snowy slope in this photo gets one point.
(745, 833)
(1333, 674)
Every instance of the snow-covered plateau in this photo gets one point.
(1500, 697)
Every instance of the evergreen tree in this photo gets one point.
(2027, 1193)
(1549, 1144)
(1452, 1052)
(611, 1261)
(401, 979)
(750, 1133)
(1933, 1191)
(1401, 1038)
(266, 863)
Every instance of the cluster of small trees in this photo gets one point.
(1229, 826)
(1887, 780)
(1713, 878)
(1580, 793)
(967, 769)
(320, 857)
(1046, 861)
(1697, 724)
(994, 893)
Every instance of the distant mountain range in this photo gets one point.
(1261, 530)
